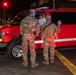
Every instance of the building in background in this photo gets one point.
(54, 4)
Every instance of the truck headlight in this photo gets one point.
(1, 36)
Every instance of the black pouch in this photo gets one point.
(20, 36)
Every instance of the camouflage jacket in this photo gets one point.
(50, 30)
(29, 25)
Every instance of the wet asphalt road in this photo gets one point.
(15, 67)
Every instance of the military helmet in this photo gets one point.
(32, 11)
(48, 17)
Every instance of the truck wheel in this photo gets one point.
(14, 50)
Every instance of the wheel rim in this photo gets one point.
(17, 51)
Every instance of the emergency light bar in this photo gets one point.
(42, 8)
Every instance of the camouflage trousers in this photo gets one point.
(28, 39)
(48, 44)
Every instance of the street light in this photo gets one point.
(5, 5)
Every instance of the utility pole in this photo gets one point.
(53, 4)
(5, 5)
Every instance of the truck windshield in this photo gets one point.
(17, 19)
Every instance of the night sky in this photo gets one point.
(15, 6)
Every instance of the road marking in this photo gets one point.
(66, 62)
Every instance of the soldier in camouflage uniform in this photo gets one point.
(49, 32)
(29, 25)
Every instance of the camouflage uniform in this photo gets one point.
(48, 40)
(28, 27)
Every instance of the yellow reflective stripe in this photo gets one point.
(66, 62)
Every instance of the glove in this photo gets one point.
(59, 22)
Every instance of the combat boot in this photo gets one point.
(34, 65)
(52, 60)
(46, 62)
(24, 64)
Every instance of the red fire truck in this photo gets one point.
(67, 37)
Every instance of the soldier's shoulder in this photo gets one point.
(47, 23)
(23, 19)
(27, 17)
(53, 24)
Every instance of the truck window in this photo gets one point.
(65, 17)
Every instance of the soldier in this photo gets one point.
(49, 32)
(29, 25)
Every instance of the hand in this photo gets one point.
(59, 22)
(56, 36)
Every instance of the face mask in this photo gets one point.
(42, 21)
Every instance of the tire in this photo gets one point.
(14, 50)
